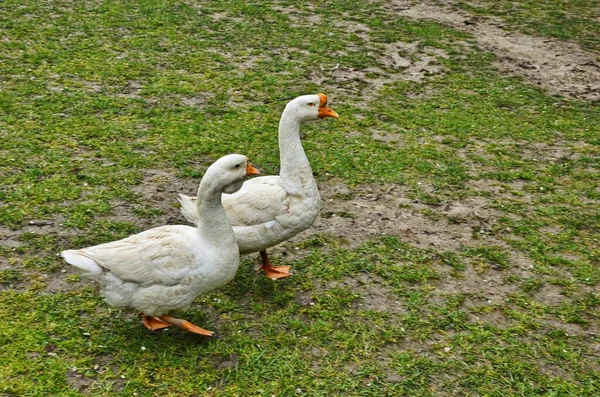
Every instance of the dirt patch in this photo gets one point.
(483, 288)
(223, 363)
(9, 238)
(414, 63)
(194, 101)
(159, 190)
(217, 16)
(591, 330)
(398, 62)
(554, 371)
(374, 294)
(552, 153)
(59, 281)
(494, 318)
(78, 382)
(561, 68)
(368, 212)
(348, 25)
(299, 18)
(84, 385)
(550, 295)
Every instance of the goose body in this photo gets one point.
(271, 209)
(162, 270)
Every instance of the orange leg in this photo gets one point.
(153, 323)
(186, 325)
(273, 272)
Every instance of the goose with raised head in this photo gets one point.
(271, 209)
(162, 270)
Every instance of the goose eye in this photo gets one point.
(311, 104)
(237, 165)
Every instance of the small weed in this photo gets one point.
(493, 257)
(10, 276)
(532, 285)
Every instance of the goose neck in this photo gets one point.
(292, 157)
(213, 223)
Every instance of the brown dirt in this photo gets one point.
(102, 365)
(399, 61)
(374, 294)
(368, 212)
(159, 189)
(78, 382)
(560, 67)
(374, 212)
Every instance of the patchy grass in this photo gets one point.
(576, 21)
(111, 108)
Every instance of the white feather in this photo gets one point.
(85, 263)
(164, 269)
(271, 209)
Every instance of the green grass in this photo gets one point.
(95, 94)
(575, 20)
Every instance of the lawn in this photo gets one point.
(457, 250)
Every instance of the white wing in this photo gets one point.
(259, 200)
(157, 256)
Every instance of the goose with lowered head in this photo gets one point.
(271, 209)
(162, 270)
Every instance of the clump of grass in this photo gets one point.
(10, 275)
(488, 257)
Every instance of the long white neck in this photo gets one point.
(295, 168)
(213, 223)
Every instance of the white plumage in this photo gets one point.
(162, 270)
(271, 209)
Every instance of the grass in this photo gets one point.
(575, 21)
(97, 96)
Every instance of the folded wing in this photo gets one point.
(158, 256)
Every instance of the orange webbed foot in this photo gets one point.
(276, 272)
(186, 325)
(273, 272)
(154, 323)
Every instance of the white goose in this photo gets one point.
(162, 270)
(271, 209)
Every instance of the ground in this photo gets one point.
(456, 252)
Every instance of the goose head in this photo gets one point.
(309, 108)
(229, 172)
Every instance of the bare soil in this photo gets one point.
(560, 67)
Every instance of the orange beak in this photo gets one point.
(250, 170)
(324, 110)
